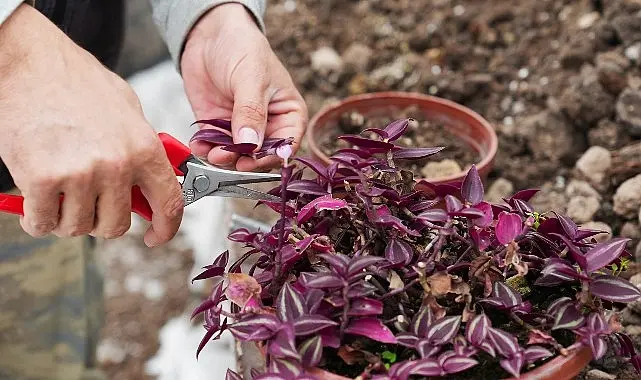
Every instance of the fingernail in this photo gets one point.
(151, 239)
(247, 135)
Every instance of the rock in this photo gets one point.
(440, 168)
(357, 56)
(631, 230)
(637, 252)
(595, 374)
(501, 188)
(606, 134)
(628, 110)
(627, 199)
(594, 163)
(628, 317)
(633, 330)
(633, 52)
(550, 199)
(636, 280)
(585, 111)
(611, 67)
(389, 74)
(549, 136)
(588, 19)
(599, 226)
(326, 60)
(628, 27)
(576, 52)
(582, 209)
(576, 188)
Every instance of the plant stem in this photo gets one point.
(401, 290)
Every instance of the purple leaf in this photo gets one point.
(379, 132)
(213, 136)
(488, 215)
(615, 289)
(258, 327)
(568, 317)
(310, 324)
(231, 375)
(457, 364)
(316, 166)
(435, 215)
(319, 204)
(470, 212)
(472, 188)
(443, 330)
(241, 235)
(604, 253)
(525, 195)
(361, 289)
(371, 328)
(338, 262)
(568, 225)
(488, 348)
(507, 295)
(242, 148)
(364, 143)
(221, 260)
(359, 263)
(322, 280)
(426, 367)
(286, 368)
(398, 252)
(556, 273)
(573, 251)
(508, 228)
(313, 299)
(218, 123)
(452, 203)
(477, 329)
(598, 346)
(535, 353)
(284, 344)
(395, 129)
(596, 323)
(422, 206)
(415, 153)
(407, 340)
(505, 343)
(555, 306)
(290, 304)
(513, 365)
(365, 306)
(208, 335)
(426, 349)
(209, 273)
(422, 321)
(311, 352)
(304, 186)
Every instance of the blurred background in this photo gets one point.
(559, 80)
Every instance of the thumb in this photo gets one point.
(249, 117)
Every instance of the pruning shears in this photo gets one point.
(199, 180)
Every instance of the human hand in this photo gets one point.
(231, 72)
(72, 127)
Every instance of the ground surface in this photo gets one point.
(560, 80)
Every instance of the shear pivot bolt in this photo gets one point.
(201, 183)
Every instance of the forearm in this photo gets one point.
(7, 7)
(176, 18)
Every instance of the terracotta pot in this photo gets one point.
(559, 368)
(462, 122)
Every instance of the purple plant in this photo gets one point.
(366, 264)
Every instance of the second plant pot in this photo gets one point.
(463, 123)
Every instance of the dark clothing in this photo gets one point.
(95, 25)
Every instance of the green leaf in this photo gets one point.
(389, 357)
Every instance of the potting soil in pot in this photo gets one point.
(456, 157)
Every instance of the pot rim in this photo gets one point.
(491, 138)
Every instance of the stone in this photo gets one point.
(633, 52)
(390, 74)
(588, 19)
(550, 199)
(628, 109)
(582, 209)
(440, 168)
(606, 134)
(596, 374)
(549, 136)
(326, 60)
(357, 56)
(599, 226)
(577, 188)
(611, 68)
(633, 330)
(628, 317)
(628, 27)
(586, 111)
(627, 198)
(594, 164)
(637, 252)
(635, 307)
(576, 52)
(499, 189)
(631, 230)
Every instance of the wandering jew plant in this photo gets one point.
(368, 273)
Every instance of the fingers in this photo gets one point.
(41, 208)
(113, 210)
(77, 211)
(159, 185)
(249, 116)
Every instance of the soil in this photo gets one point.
(456, 156)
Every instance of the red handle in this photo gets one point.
(177, 153)
(13, 204)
